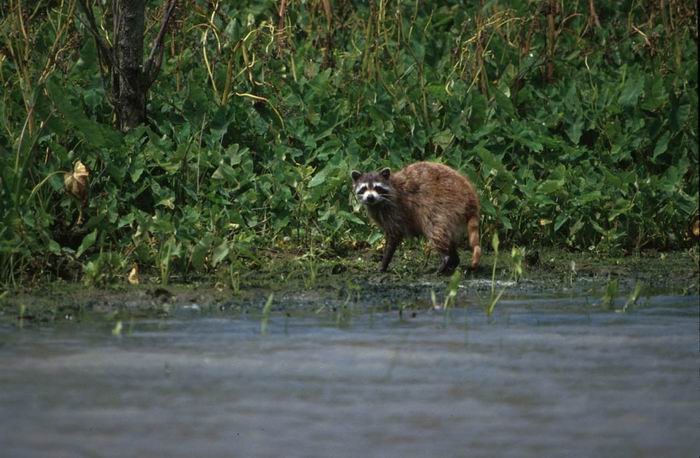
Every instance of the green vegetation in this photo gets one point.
(516, 272)
(578, 135)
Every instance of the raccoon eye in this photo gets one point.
(381, 190)
(362, 189)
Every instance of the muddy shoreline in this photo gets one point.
(300, 285)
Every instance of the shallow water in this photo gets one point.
(545, 376)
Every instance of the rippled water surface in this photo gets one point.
(544, 376)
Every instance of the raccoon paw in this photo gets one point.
(449, 264)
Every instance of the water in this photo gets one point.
(544, 376)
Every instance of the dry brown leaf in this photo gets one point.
(133, 277)
(76, 182)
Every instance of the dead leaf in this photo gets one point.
(133, 277)
(76, 184)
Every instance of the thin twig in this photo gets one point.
(153, 63)
(105, 49)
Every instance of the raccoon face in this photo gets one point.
(372, 187)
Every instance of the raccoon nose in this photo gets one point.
(370, 198)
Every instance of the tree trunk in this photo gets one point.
(130, 77)
(131, 97)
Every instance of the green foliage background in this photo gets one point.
(253, 129)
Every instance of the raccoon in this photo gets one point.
(424, 198)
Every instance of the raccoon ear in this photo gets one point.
(355, 175)
(385, 172)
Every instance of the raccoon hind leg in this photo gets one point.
(450, 262)
(440, 236)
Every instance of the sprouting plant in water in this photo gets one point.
(517, 256)
(22, 311)
(633, 297)
(452, 288)
(451, 296)
(312, 272)
(493, 300)
(433, 300)
(343, 316)
(309, 264)
(117, 329)
(170, 251)
(266, 314)
(234, 276)
(608, 301)
(572, 272)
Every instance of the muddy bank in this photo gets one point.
(301, 284)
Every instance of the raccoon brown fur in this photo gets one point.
(424, 198)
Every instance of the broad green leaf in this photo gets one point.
(505, 221)
(443, 138)
(589, 197)
(350, 217)
(661, 144)
(88, 55)
(551, 186)
(220, 253)
(320, 177)
(224, 172)
(233, 30)
(54, 247)
(680, 114)
(200, 250)
(88, 241)
(574, 131)
(632, 90)
(489, 159)
(655, 96)
(504, 102)
(478, 110)
(560, 220)
(95, 134)
(495, 242)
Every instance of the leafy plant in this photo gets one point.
(579, 131)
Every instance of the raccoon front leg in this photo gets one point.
(389, 249)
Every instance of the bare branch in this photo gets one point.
(103, 48)
(155, 58)
(593, 19)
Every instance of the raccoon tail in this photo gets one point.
(473, 231)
